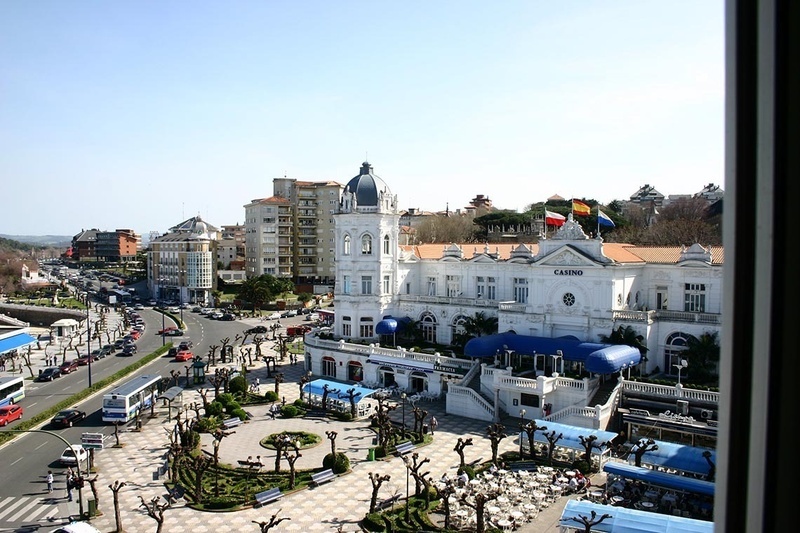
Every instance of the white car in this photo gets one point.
(274, 316)
(68, 455)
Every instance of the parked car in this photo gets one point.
(68, 417)
(174, 332)
(73, 455)
(172, 352)
(128, 350)
(227, 317)
(256, 329)
(185, 345)
(138, 307)
(274, 316)
(196, 309)
(9, 413)
(105, 352)
(69, 366)
(119, 343)
(84, 359)
(110, 348)
(49, 374)
(184, 355)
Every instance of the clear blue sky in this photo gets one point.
(139, 114)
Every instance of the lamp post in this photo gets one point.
(408, 493)
(522, 430)
(88, 339)
(559, 355)
(683, 364)
(403, 396)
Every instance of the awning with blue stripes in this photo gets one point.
(15, 342)
(317, 388)
(660, 479)
(624, 520)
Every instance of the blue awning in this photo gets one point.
(15, 341)
(317, 388)
(661, 479)
(625, 520)
(679, 457)
(598, 358)
(387, 326)
(571, 435)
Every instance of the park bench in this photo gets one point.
(176, 494)
(268, 496)
(321, 477)
(383, 504)
(404, 448)
(231, 422)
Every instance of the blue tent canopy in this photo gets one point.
(598, 358)
(15, 342)
(316, 388)
(661, 479)
(630, 520)
(391, 325)
(572, 434)
(679, 457)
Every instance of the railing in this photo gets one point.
(446, 300)
(677, 392)
(666, 315)
(457, 390)
(512, 307)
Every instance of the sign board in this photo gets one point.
(92, 441)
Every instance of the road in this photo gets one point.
(27, 458)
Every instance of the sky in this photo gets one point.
(141, 114)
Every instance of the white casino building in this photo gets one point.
(553, 301)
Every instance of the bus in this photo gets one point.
(123, 402)
(12, 390)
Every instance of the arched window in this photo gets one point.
(329, 367)
(457, 328)
(385, 245)
(676, 344)
(428, 326)
(346, 250)
(366, 244)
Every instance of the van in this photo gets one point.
(77, 527)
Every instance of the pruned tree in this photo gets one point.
(444, 495)
(212, 355)
(225, 342)
(588, 522)
(478, 502)
(419, 419)
(530, 430)
(382, 420)
(377, 480)
(273, 521)
(93, 486)
(496, 433)
(459, 449)
(282, 443)
(200, 463)
(304, 380)
(116, 432)
(292, 458)
(552, 439)
(641, 448)
(332, 437)
(712, 467)
(327, 391)
(421, 482)
(279, 377)
(155, 510)
(589, 443)
(351, 397)
(115, 488)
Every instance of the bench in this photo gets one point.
(175, 494)
(268, 496)
(383, 504)
(321, 477)
(404, 448)
(231, 422)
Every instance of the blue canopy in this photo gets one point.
(661, 479)
(631, 520)
(15, 341)
(387, 326)
(572, 434)
(316, 388)
(679, 457)
(598, 358)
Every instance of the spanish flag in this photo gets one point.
(581, 209)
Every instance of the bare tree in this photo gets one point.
(200, 464)
(93, 485)
(589, 443)
(115, 488)
(292, 458)
(552, 439)
(377, 481)
(421, 481)
(587, 522)
(479, 504)
(332, 437)
(419, 419)
(459, 449)
(155, 510)
(530, 430)
(273, 521)
(279, 378)
(642, 447)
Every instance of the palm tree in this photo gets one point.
(627, 335)
(702, 354)
(480, 324)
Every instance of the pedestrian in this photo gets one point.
(70, 486)
(434, 424)
(50, 481)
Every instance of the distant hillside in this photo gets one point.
(39, 241)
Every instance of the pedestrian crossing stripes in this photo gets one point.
(29, 509)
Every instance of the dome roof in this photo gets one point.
(366, 187)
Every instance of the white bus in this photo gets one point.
(122, 402)
(12, 390)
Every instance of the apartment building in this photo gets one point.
(116, 246)
(291, 234)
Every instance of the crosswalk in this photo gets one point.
(33, 509)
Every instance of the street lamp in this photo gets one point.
(403, 396)
(88, 339)
(522, 430)
(559, 355)
(680, 366)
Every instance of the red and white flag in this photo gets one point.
(554, 219)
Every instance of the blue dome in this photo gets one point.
(366, 187)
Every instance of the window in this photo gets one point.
(428, 326)
(661, 298)
(347, 328)
(453, 286)
(366, 284)
(521, 290)
(366, 328)
(431, 286)
(346, 284)
(386, 245)
(366, 245)
(694, 298)
(346, 245)
(386, 285)
(568, 299)
(491, 288)
(329, 367)
(480, 287)
(676, 344)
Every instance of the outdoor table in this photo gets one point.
(542, 477)
(596, 493)
(502, 499)
(563, 480)
(502, 472)
(524, 473)
(493, 509)
(516, 490)
(651, 494)
(569, 473)
(529, 507)
(547, 469)
(539, 495)
(504, 523)
(617, 499)
(647, 506)
(475, 481)
(669, 499)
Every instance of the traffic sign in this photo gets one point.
(92, 440)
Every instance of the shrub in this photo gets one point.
(289, 411)
(207, 424)
(238, 385)
(271, 396)
(241, 413)
(225, 398)
(215, 409)
(380, 452)
(470, 471)
(232, 406)
(340, 464)
(373, 522)
(221, 502)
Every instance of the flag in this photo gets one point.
(554, 219)
(604, 220)
(581, 209)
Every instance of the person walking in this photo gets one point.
(70, 485)
(50, 481)
(434, 424)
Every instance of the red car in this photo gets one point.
(9, 413)
(135, 334)
(165, 331)
(69, 366)
(184, 355)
